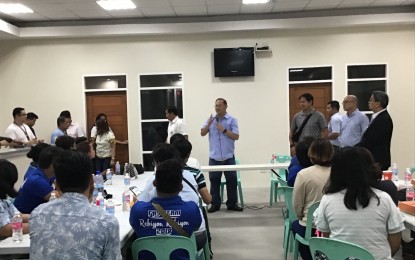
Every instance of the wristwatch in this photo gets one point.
(224, 131)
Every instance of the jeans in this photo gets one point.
(231, 183)
(304, 250)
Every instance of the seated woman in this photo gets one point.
(37, 188)
(8, 177)
(300, 160)
(351, 210)
(309, 185)
(34, 155)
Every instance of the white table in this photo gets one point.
(245, 167)
(409, 221)
(7, 246)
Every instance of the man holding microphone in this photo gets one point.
(223, 132)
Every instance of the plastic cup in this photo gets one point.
(387, 175)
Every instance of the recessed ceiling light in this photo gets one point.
(14, 9)
(249, 2)
(116, 4)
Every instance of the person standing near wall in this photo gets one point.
(335, 123)
(31, 121)
(74, 130)
(223, 132)
(18, 131)
(378, 135)
(176, 125)
(308, 122)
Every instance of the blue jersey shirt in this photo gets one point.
(221, 147)
(146, 221)
(32, 192)
(32, 168)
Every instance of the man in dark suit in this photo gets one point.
(378, 135)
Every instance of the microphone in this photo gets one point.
(217, 119)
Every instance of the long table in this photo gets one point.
(245, 167)
(7, 246)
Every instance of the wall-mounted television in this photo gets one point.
(234, 62)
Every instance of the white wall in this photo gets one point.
(46, 77)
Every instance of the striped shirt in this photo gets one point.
(199, 177)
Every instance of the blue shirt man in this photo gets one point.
(146, 219)
(223, 132)
(354, 123)
(63, 124)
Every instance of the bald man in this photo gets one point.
(354, 123)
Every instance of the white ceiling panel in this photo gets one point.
(157, 11)
(264, 8)
(188, 2)
(223, 2)
(190, 10)
(59, 15)
(91, 6)
(152, 3)
(289, 5)
(133, 13)
(32, 17)
(223, 9)
(93, 14)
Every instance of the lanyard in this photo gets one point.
(24, 131)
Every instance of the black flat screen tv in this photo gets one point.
(234, 62)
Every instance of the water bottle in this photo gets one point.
(410, 193)
(395, 172)
(274, 158)
(126, 199)
(52, 196)
(100, 201)
(117, 168)
(17, 227)
(125, 168)
(110, 208)
(99, 182)
(127, 179)
(408, 176)
(109, 177)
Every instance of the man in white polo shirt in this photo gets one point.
(176, 125)
(18, 130)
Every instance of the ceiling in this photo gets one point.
(87, 12)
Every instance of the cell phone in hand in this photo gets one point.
(135, 190)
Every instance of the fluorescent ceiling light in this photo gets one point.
(14, 9)
(248, 2)
(116, 4)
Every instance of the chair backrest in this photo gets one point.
(288, 195)
(283, 183)
(162, 246)
(283, 158)
(310, 219)
(238, 172)
(337, 250)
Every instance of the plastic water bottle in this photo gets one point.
(109, 177)
(408, 176)
(110, 208)
(117, 168)
(100, 200)
(126, 199)
(17, 227)
(274, 158)
(395, 172)
(127, 179)
(52, 196)
(99, 182)
(410, 193)
(125, 168)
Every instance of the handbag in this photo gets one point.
(296, 136)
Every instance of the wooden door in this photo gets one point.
(114, 105)
(320, 91)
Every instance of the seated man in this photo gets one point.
(70, 227)
(65, 142)
(37, 187)
(161, 153)
(145, 219)
(191, 162)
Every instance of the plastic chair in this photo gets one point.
(289, 218)
(309, 226)
(162, 246)
(240, 198)
(336, 249)
(273, 194)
